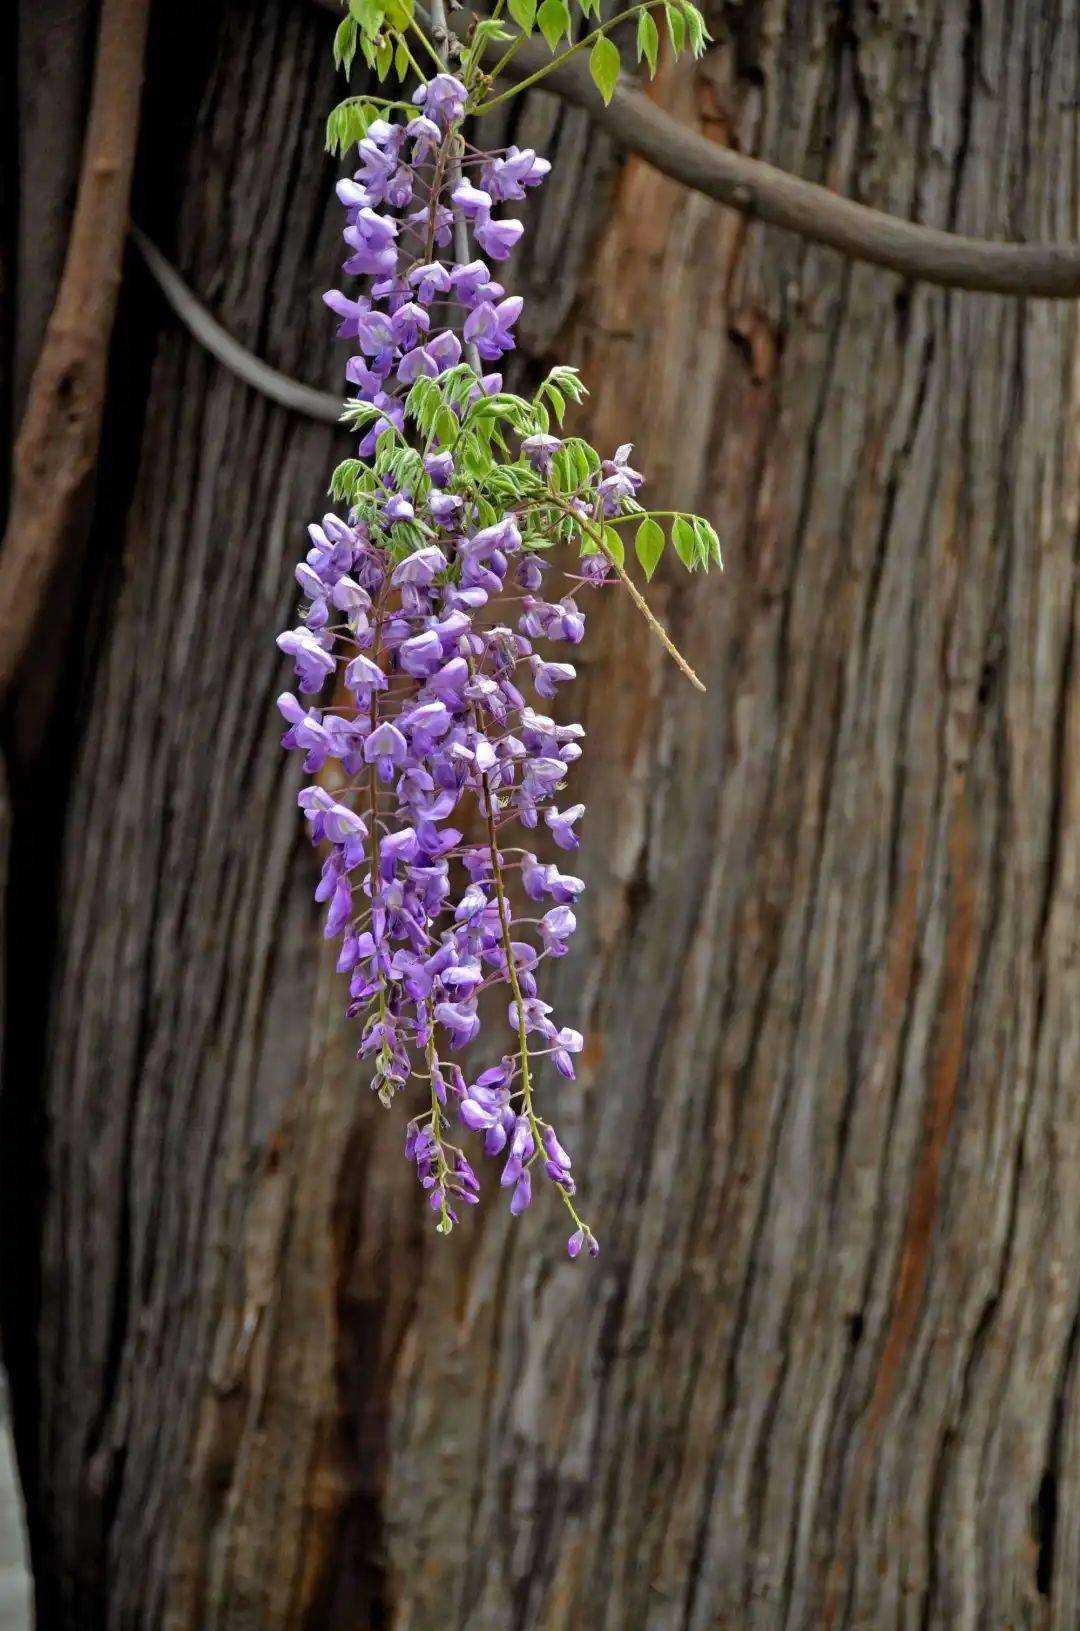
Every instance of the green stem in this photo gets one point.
(403, 42)
(590, 39)
(506, 57)
(377, 102)
(428, 47)
(445, 1223)
(639, 515)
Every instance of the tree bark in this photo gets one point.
(825, 1371)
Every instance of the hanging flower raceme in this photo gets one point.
(427, 653)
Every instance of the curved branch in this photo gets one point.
(783, 200)
(280, 388)
(771, 195)
(57, 445)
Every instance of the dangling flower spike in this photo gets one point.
(429, 632)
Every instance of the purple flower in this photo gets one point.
(548, 676)
(396, 847)
(508, 177)
(488, 326)
(425, 134)
(398, 508)
(619, 480)
(421, 654)
(460, 1021)
(498, 238)
(439, 467)
(313, 662)
(556, 927)
(372, 237)
(421, 568)
(562, 823)
(384, 748)
(442, 99)
(472, 283)
(582, 1237)
(340, 908)
(375, 333)
(475, 1116)
(472, 201)
(364, 675)
(540, 450)
(438, 700)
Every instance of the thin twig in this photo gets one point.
(633, 591)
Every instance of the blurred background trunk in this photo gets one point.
(825, 1371)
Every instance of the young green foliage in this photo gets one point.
(604, 67)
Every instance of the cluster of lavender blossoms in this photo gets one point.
(432, 744)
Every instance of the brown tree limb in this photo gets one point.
(57, 445)
(772, 195)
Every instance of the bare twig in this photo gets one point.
(57, 444)
(280, 388)
(633, 591)
(783, 200)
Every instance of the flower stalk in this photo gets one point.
(430, 598)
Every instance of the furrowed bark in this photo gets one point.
(825, 1371)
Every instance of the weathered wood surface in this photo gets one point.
(825, 1372)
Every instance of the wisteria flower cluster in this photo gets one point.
(431, 643)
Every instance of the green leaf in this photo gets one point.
(345, 44)
(564, 470)
(567, 380)
(399, 14)
(401, 60)
(676, 28)
(649, 546)
(357, 413)
(604, 67)
(695, 27)
(489, 31)
(554, 20)
(446, 426)
(615, 547)
(686, 547)
(524, 14)
(708, 542)
(343, 481)
(348, 124)
(648, 40)
(384, 58)
(368, 13)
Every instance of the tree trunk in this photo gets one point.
(825, 1371)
